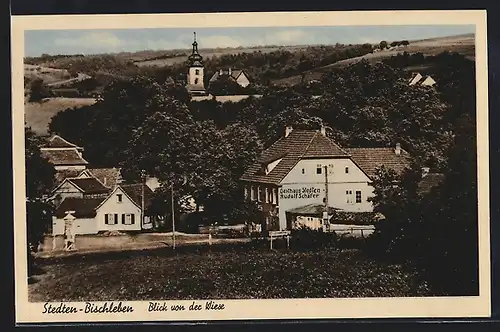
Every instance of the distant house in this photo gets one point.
(63, 154)
(109, 177)
(237, 75)
(119, 210)
(418, 79)
(84, 187)
(429, 181)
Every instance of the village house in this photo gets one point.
(419, 79)
(306, 167)
(237, 75)
(84, 187)
(65, 156)
(119, 210)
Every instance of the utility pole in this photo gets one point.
(143, 180)
(325, 212)
(173, 217)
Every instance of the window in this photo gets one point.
(111, 218)
(349, 196)
(196, 80)
(266, 196)
(252, 193)
(358, 196)
(128, 219)
(319, 169)
(119, 198)
(246, 193)
(346, 170)
(303, 171)
(197, 72)
(259, 197)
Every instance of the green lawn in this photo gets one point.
(219, 272)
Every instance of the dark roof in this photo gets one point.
(429, 181)
(311, 210)
(57, 141)
(64, 157)
(299, 144)
(83, 207)
(89, 185)
(110, 177)
(225, 73)
(134, 191)
(368, 159)
(62, 175)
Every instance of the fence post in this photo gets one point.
(288, 241)
(271, 241)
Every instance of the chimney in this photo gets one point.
(323, 130)
(288, 130)
(397, 150)
(425, 171)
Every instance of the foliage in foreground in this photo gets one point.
(231, 272)
(437, 233)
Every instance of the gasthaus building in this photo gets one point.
(306, 167)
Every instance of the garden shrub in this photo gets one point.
(305, 238)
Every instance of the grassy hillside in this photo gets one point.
(38, 115)
(463, 44)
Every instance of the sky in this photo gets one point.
(38, 42)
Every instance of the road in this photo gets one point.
(80, 77)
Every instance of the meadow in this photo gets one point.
(226, 271)
(38, 115)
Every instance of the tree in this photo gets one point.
(39, 182)
(39, 90)
(383, 44)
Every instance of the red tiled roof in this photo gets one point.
(83, 207)
(299, 144)
(64, 157)
(368, 159)
(89, 185)
(429, 181)
(134, 191)
(110, 177)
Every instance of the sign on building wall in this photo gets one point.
(299, 193)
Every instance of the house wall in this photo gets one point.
(80, 226)
(111, 205)
(301, 188)
(67, 190)
(243, 80)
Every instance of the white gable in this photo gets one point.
(272, 165)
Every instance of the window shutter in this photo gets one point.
(106, 221)
(123, 218)
(116, 218)
(132, 219)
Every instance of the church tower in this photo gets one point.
(195, 77)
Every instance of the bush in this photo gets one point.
(305, 238)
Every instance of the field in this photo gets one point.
(38, 115)
(207, 53)
(47, 74)
(463, 44)
(243, 271)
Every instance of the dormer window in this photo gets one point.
(269, 167)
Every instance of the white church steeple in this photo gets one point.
(195, 76)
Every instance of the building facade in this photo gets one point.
(305, 167)
(63, 155)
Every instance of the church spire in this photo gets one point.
(195, 59)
